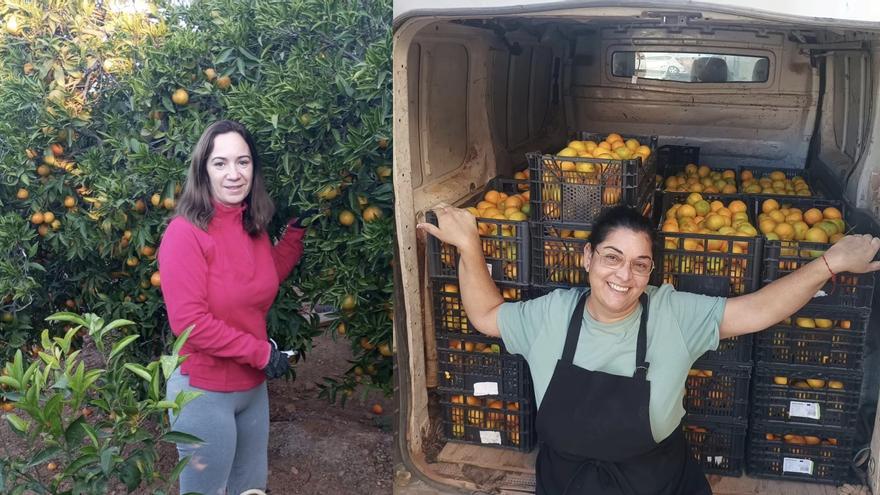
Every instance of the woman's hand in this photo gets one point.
(454, 226)
(854, 254)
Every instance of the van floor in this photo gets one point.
(509, 472)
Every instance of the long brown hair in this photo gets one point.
(195, 203)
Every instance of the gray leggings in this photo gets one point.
(234, 427)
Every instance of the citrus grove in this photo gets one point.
(99, 110)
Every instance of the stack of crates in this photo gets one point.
(808, 373)
(486, 393)
(714, 264)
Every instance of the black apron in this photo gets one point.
(595, 431)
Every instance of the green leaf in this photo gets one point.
(10, 382)
(180, 437)
(116, 324)
(184, 397)
(139, 371)
(43, 456)
(167, 404)
(67, 316)
(169, 364)
(178, 468)
(107, 460)
(121, 345)
(18, 423)
(179, 341)
(75, 433)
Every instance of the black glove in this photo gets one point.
(297, 222)
(278, 364)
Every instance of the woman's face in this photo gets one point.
(615, 286)
(230, 169)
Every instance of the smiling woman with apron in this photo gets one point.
(593, 444)
(609, 363)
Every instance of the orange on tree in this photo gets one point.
(180, 97)
(223, 82)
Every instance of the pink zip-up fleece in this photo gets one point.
(223, 282)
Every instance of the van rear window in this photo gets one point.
(690, 67)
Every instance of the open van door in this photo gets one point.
(478, 84)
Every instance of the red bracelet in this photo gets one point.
(833, 275)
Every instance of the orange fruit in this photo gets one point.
(816, 234)
(223, 82)
(346, 218)
(180, 96)
(737, 206)
(685, 211)
(22, 194)
(767, 225)
(813, 216)
(377, 409)
(831, 213)
(784, 231)
(37, 218)
(492, 196)
(769, 205)
(155, 279)
(148, 250)
(372, 213)
(69, 201)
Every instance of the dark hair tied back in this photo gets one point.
(620, 217)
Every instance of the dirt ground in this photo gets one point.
(315, 447)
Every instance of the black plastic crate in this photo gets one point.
(505, 246)
(578, 189)
(718, 447)
(489, 422)
(806, 396)
(731, 350)
(672, 158)
(558, 254)
(710, 264)
(799, 453)
(836, 342)
(479, 365)
(449, 315)
(718, 391)
(764, 172)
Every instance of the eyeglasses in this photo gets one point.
(641, 267)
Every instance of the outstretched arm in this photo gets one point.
(780, 299)
(479, 294)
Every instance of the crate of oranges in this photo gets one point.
(558, 254)
(590, 174)
(708, 244)
(816, 336)
(718, 391)
(799, 230)
(778, 182)
(489, 421)
(449, 314)
(806, 395)
(479, 365)
(795, 453)
(719, 447)
(502, 213)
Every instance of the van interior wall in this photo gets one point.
(751, 124)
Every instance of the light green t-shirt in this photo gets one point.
(681, 327)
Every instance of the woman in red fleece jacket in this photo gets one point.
(220, 275)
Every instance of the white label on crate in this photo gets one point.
(485, 388)
(800, 466)
(489, 267)
(809, 410)
(490, 437)
(634, 80)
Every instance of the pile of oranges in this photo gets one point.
(773, 183)
(702, 179)
(782, 223)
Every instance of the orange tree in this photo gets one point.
(99, 110)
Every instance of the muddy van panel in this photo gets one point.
(478, 84)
